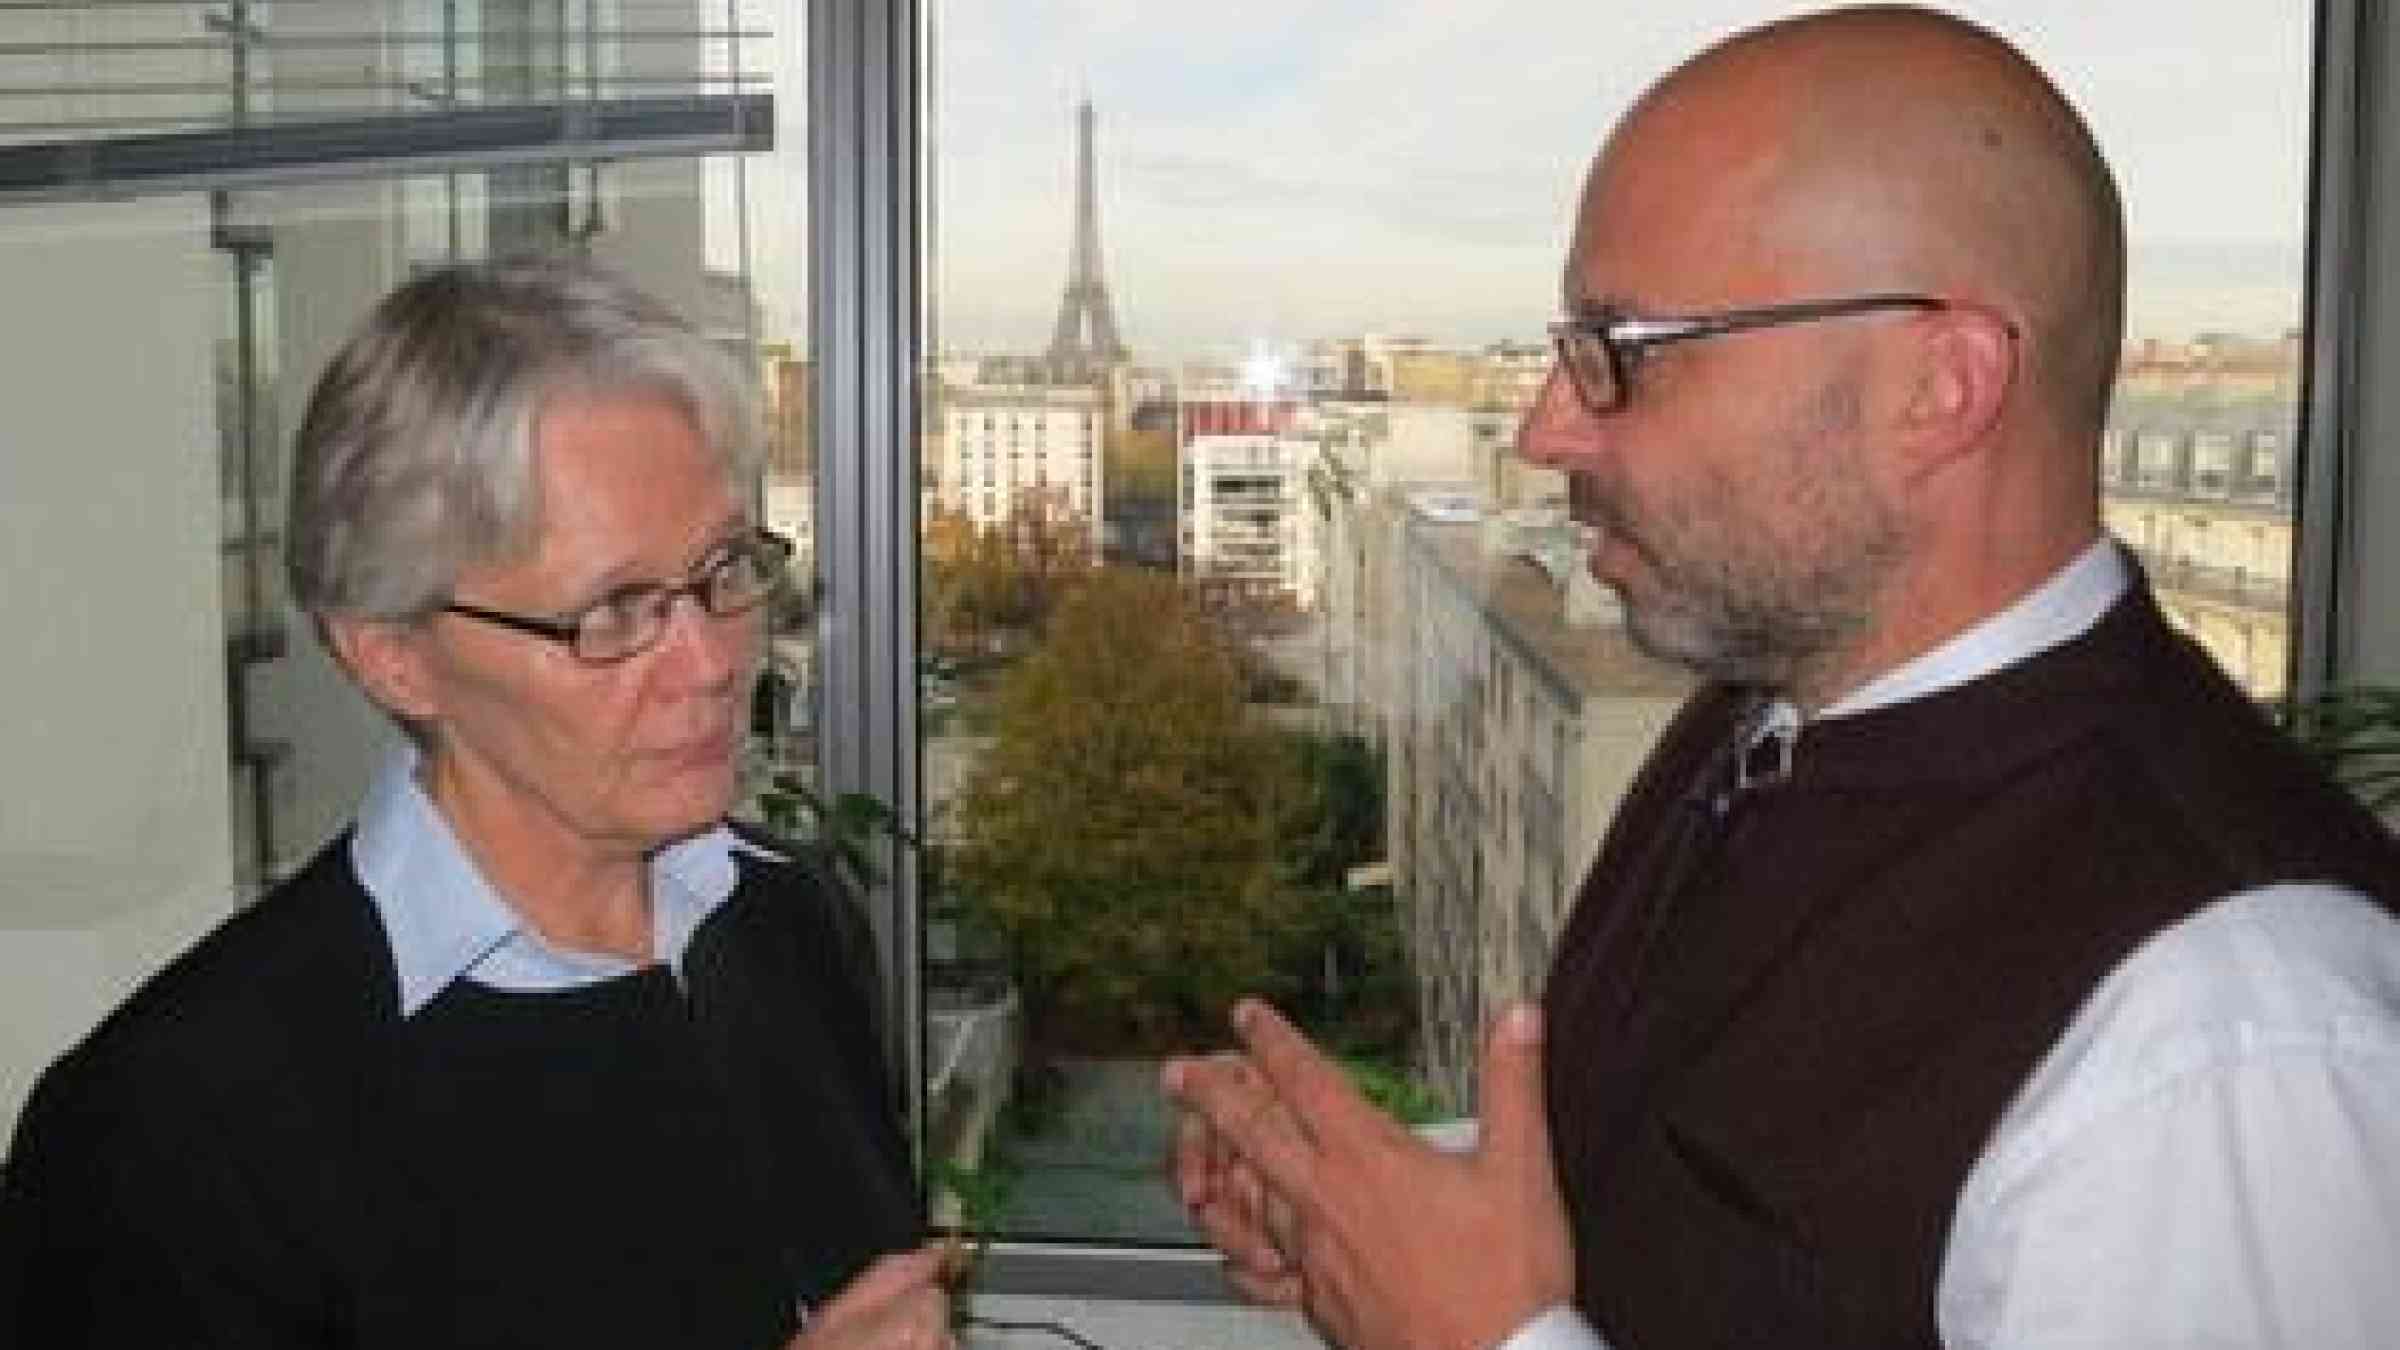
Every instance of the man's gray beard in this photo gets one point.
(1708, 636)
(1778, 623)
(1768, 630)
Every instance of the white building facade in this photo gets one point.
(1521, 713)
(1002, 445)
(1245, 528)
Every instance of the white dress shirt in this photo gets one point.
(2210, 1153)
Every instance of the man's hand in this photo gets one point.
(898, 1303)
(1396, 1243)
(1227, 1200)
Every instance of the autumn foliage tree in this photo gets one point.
(980, 580)
(1128, 830)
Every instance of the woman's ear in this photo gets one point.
(1965, 366)
(387, 658)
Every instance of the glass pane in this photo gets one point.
(196, 744)
(1254, 660)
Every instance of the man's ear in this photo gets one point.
(387, 658)
(1965, 368)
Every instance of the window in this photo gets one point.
(2266, 466)
(196, 746)
(1256, 264)
(2212, 463)
(1106, 966)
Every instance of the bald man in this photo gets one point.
(1970, 964)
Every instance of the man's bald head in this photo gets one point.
(1888, 148)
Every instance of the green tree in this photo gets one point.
(1129, 827)
(1350, 972)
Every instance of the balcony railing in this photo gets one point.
(108, 97)
(98, 68)
(2239, 586)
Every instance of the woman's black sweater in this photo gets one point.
(256, 1150)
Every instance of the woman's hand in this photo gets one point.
(898, 1303)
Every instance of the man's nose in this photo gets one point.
(1557, 431)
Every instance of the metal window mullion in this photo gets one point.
(2323, 460)
(862, 62)
(867, 142)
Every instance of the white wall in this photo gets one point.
(338, 248)
(113, 769)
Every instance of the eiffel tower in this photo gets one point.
(1085, 343)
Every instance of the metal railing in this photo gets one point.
(2238, 586)
(102, 68)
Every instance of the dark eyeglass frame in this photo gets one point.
(1600, 353)
(757, 547)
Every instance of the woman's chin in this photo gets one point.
(693, 804)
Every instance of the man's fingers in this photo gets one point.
(1246, 1116)
(1242, 1238)
(1315, 1090)
(1274, 1291)
(1516, 1129)
(1192, 1160)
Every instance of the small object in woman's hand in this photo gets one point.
(958, 1261)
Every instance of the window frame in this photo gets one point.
(2326, 443)
(871, 211)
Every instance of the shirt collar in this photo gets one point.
(2059, 610)
(444, 920)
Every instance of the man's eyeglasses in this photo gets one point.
(631, 619)
(1601, 353)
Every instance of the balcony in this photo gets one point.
(2237, 586)
(168, 95)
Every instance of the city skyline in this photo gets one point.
(1276, 176)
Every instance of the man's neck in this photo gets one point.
(1929, 619)
(2059, 608)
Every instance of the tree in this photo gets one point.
(1128, 829)
(1352, 981)
(1141, 467)
(1008, 575)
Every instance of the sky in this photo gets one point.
(1277, 170)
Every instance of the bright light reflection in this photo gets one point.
(1263, 371)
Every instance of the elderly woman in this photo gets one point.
(540, 1052)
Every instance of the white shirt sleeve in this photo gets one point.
(1558, 1328)
(2210, 1155)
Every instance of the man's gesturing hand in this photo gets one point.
(1397, 1245)
(1225, 1197)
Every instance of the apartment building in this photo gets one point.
(1246, 534)
(2198, 476)
(1520, 712)
(1000, 445)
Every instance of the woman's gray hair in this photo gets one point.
(414, 460)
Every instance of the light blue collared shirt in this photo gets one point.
(445, 920)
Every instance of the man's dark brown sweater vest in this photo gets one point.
(257, 1151)
(1780, 1037)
